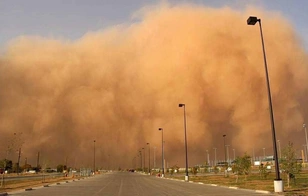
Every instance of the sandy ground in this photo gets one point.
(24, 184)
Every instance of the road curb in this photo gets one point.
(260, 191)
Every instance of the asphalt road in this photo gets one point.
(133, 184)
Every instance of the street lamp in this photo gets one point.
(149, 158)
(278, 184)
(264, 154)
(305, 150)
(154, 157)
(215, 156)
(208, 157)
(140, 159)
(94, 158)
(279, 149)
(228, 158)
(183, 105)
(233, 154)
(225, 148)
(143, 159)
(304, 126)
(162, 151)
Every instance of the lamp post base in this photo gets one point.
(278, 186)
(186, 179)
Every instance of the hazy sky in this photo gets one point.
(70, 19)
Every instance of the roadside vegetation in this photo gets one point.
(244, 175)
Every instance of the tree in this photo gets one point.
(263, 170)
(216, 169)
(242, 166)
(6, 164)
(60, 168)
(289, 164)
(27, 167)
(194, 170)
(173, 169)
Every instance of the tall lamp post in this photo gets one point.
(140, 159)
(183, 105)
(154, 157)
(304, 126)
(94, 159)
(162, 151)
(224, 136)
(305, 151)
(143, 159)
(278, 184)
(149, 159)
(233, 154)
(215, 156)
(228, 157)
(279, 149)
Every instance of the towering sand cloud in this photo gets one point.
(119, 85)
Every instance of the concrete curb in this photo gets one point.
(260, 191)
(230, 187)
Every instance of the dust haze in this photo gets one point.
(117, 86)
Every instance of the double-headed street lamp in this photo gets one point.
(186, 176)
(162, 151)
(278, 184)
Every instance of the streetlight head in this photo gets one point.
(181, 104)
(252, 20)
(304, 125)
(160, 129)
(148, 143)
(224, 135)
